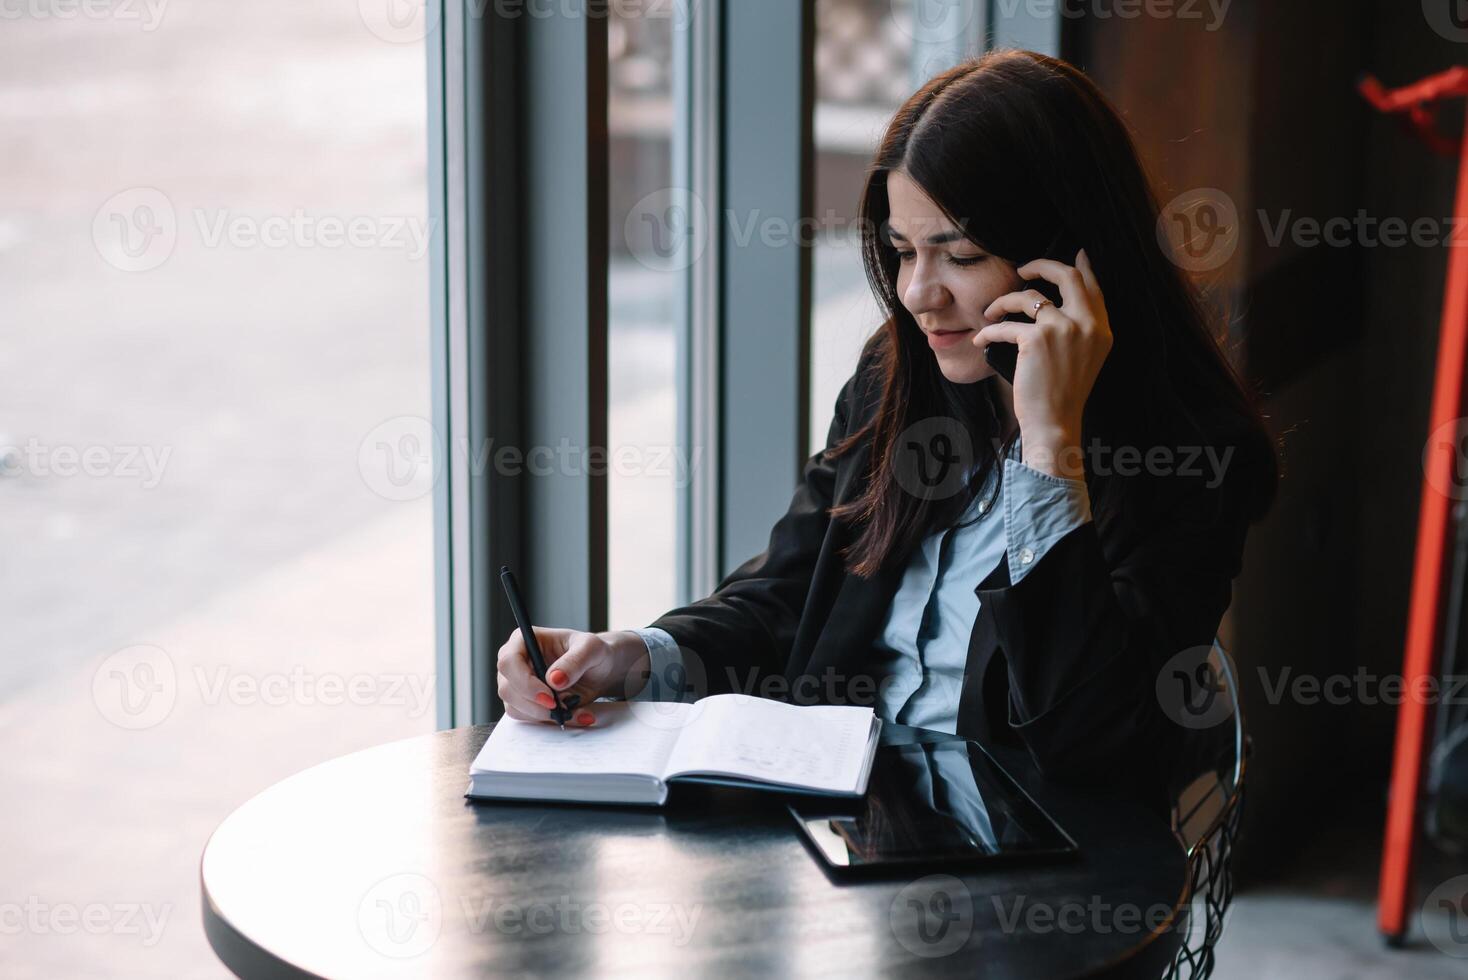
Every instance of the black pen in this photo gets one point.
(522, 619)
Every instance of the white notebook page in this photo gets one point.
(819, 746)
(618, 743)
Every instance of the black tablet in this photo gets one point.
(929, 806)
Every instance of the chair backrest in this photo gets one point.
(1209, 762)
(1207, 800)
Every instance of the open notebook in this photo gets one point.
(636, 748)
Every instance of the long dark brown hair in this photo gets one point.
(1016, 147)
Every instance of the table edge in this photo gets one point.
(245, 957)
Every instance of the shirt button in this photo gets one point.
(1026, 556)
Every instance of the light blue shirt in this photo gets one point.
(923, 648)
(965, 804)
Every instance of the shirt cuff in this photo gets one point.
(1039, 510)
(666, 674)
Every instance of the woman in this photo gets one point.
(1013, 562)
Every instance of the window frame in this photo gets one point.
(518, 153)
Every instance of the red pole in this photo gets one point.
(1420, 658)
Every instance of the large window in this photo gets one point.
(870, 56)
(863, 73)
(648, 227)
(250, 387)
(215, 535)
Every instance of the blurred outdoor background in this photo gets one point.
(213, 287)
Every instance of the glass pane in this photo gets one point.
(870, 56)
(645, 267)
(217, 548)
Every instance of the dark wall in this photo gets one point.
(1340, 341)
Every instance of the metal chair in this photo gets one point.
(1207, 804)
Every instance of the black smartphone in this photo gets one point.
(1004, 357)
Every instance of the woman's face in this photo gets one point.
(945, 281)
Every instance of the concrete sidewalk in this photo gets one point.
(115, 808)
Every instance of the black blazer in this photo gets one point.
(1065, 663)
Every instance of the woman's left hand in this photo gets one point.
(1060, 355)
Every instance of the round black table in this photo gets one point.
(374, 864)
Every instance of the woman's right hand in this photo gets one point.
(580, 666)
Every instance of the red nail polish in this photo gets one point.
(557, 678)
(544, 700)
(586, 718)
